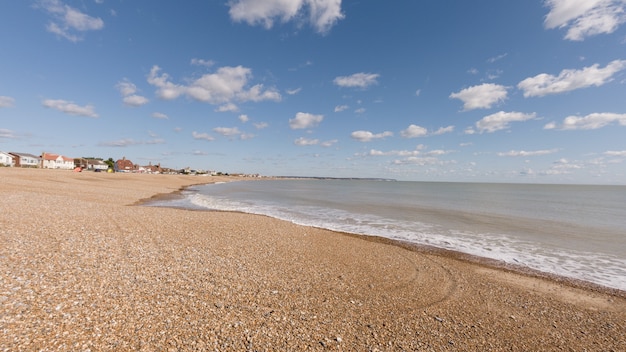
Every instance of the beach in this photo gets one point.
(85, 267)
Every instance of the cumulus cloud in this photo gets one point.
(224, 87)
(68, 22)
(366, 136)
(483, 96)
(306, 141)
(357, 80)
(414, 131)
(525, 153)
(6, 102)
(592, 121)
(128, 90)
(305, 120)
(159, 115)
(69, 107)
(201, 62)
(322, 14)
(204, 136)
(501, 121)
(243, 118)
(544, 84)
(585, 18)
(340, 108)
(227, 131)
(443, 130)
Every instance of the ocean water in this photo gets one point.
(576, 231)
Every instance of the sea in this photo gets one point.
(573, 231)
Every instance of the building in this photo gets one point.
(56, 161)
(25, 159)
(6, 159)
(124, 165)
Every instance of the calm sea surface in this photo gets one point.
(575, 231)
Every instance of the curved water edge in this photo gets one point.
(531, 238)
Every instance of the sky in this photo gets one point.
(431, 90)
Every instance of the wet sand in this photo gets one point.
(83, 268)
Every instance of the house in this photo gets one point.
(25, 159)
(6, 159)
(56, 161)
(124, 165)
(96, 164)
(151, 169)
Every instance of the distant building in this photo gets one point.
(124, 165)
(56, 161)
(6, 159)
(25, 159)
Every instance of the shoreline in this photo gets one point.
(420, 248)
(85, 269)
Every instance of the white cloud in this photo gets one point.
(366, 136)
(443, 130)
(69, 107)
(305, 120)
(128, 90)
(483, 96)
(129, 141)
(414, 131)
(329, 143)
(201, 62)
(497, 58)
(243, 118)
(340, 108)
(227, 131)
(67, 21)
(119, 143)
(621, 153)
(159, 115)
(374, 152)
(293, 91)
(6, 102)
(360, 111)
(593, 121)
(228, 107)
(420, 161)
(500, 121)
(568, 80)
(525, 153)
(261, 125)
(323, 14)
(204, 136)
(585, 18)
(226, 85)
(7, 134)
(306, 141)
(549, 126)
(135, 100)
(357, 80)
(418, 92)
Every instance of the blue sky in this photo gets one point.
(489, 91)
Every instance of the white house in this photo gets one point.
(6, 159)
(56, 161)
(25, 160)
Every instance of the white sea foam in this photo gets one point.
(297, 206)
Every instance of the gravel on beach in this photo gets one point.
(84, 268)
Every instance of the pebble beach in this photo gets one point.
(84, 266)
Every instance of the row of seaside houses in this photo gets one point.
(58, 161)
